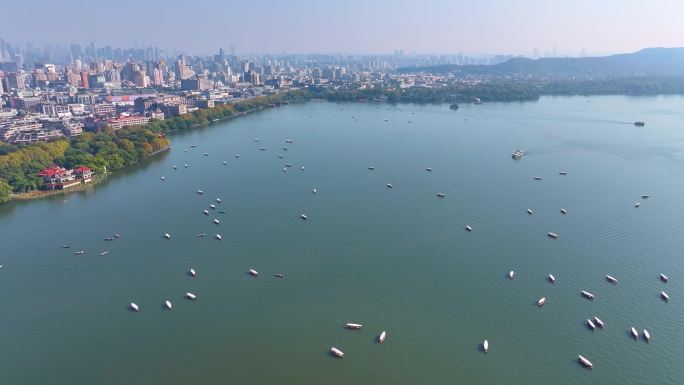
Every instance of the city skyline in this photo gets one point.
(378, 27)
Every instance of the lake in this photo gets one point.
(394, 259)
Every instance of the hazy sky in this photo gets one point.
(354, 26)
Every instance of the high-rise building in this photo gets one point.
(141, 79)
(16, 80)
(84, 79)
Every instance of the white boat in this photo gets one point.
(217, 221)
(185, 165)
(563, 211)
(213, 207)
(104, 253)
(218, 200)
(206, 212)
(663, 277)
(336, 352)
(350, 325)
(468, 228)
(664, 296)
(428, 169)
(529, 211)
(303, 216)
(175, 167)
(225, 163)
(646, 196)
(167, 304)
(218, 236)
(598, 322)
(192, 272)
(585, 362)
(389, 185)
(167, 236)
(288, 140)
(201, 235)
(510, 274)
(552, 279)
(647, 336)
(284, 169)
(634, 332)
(162, 178)
(200, 192)
(611, 279)
(552, 235)
(541, 301)
(65, 246)
(587, 295)
(133, 306)
(302, 168)
(441, 195)
(313, 191)
(485, 346)
(591, 325)
(80, 252)
(382, 336)
(637, 204)
(253, 272)
(190, 296)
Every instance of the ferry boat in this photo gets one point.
(587, 295)
(336, 352)
(663, 277)
(382, 336)
(639, 124)
(350, 325)
(585, 362)
(134, 306)
(518, 154)
(485, 346)
(634, 333)
(167, 304)
(611, 279)
(190, 296)
(598, 322)
(552, 279)
(541, 301)
(552, 235)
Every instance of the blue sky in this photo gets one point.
(352, 26)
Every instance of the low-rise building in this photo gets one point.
(58, 178)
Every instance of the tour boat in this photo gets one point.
(510, 274)
(541, 301)
(79, 252)
(552, 235)
(611, 279)
(216, 221)
(167, 304)
(441, 195)
(350, 325)
(598, 322)
(537, 178)
(634, 333)
(192, 272)
(278, 275)
(468, 228)
(382, 336)
(664, 296)
(564, 211)
(585, 362)
(218, 236)
(336, 352)
(591, 324)
(134, 307)
(206, 212)
(552, 279)
(647, 336)
(104, 253)
(190, 296)
(529, 211)
(485, 346)
(587, 295)
(389, 185)
(167, 236)
(253, 272)
(303, 216)
(663, 277)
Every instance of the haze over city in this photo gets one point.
(355, 26)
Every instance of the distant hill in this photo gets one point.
(647, 62)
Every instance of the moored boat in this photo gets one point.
(192, 272)
(253, 272)
(510, 274)
(389, 185)
(216, 221)
(552, 279)
(468, 228)
(218, 236)
(563, 211)
(598, 322)
(133, 306)
(336, 352)
(167, 236)
(168, 305)
(541, 301)
(485, 346)
(663, 277)
(351, 325)
(552, 235)
(382, 336)
(585, 362)
(587, 295)
(591, 325)
(303, 216)
(611, 279)
(633, 332)
(529, 211)
(647, 335)
(664, 296)
(190, 296)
